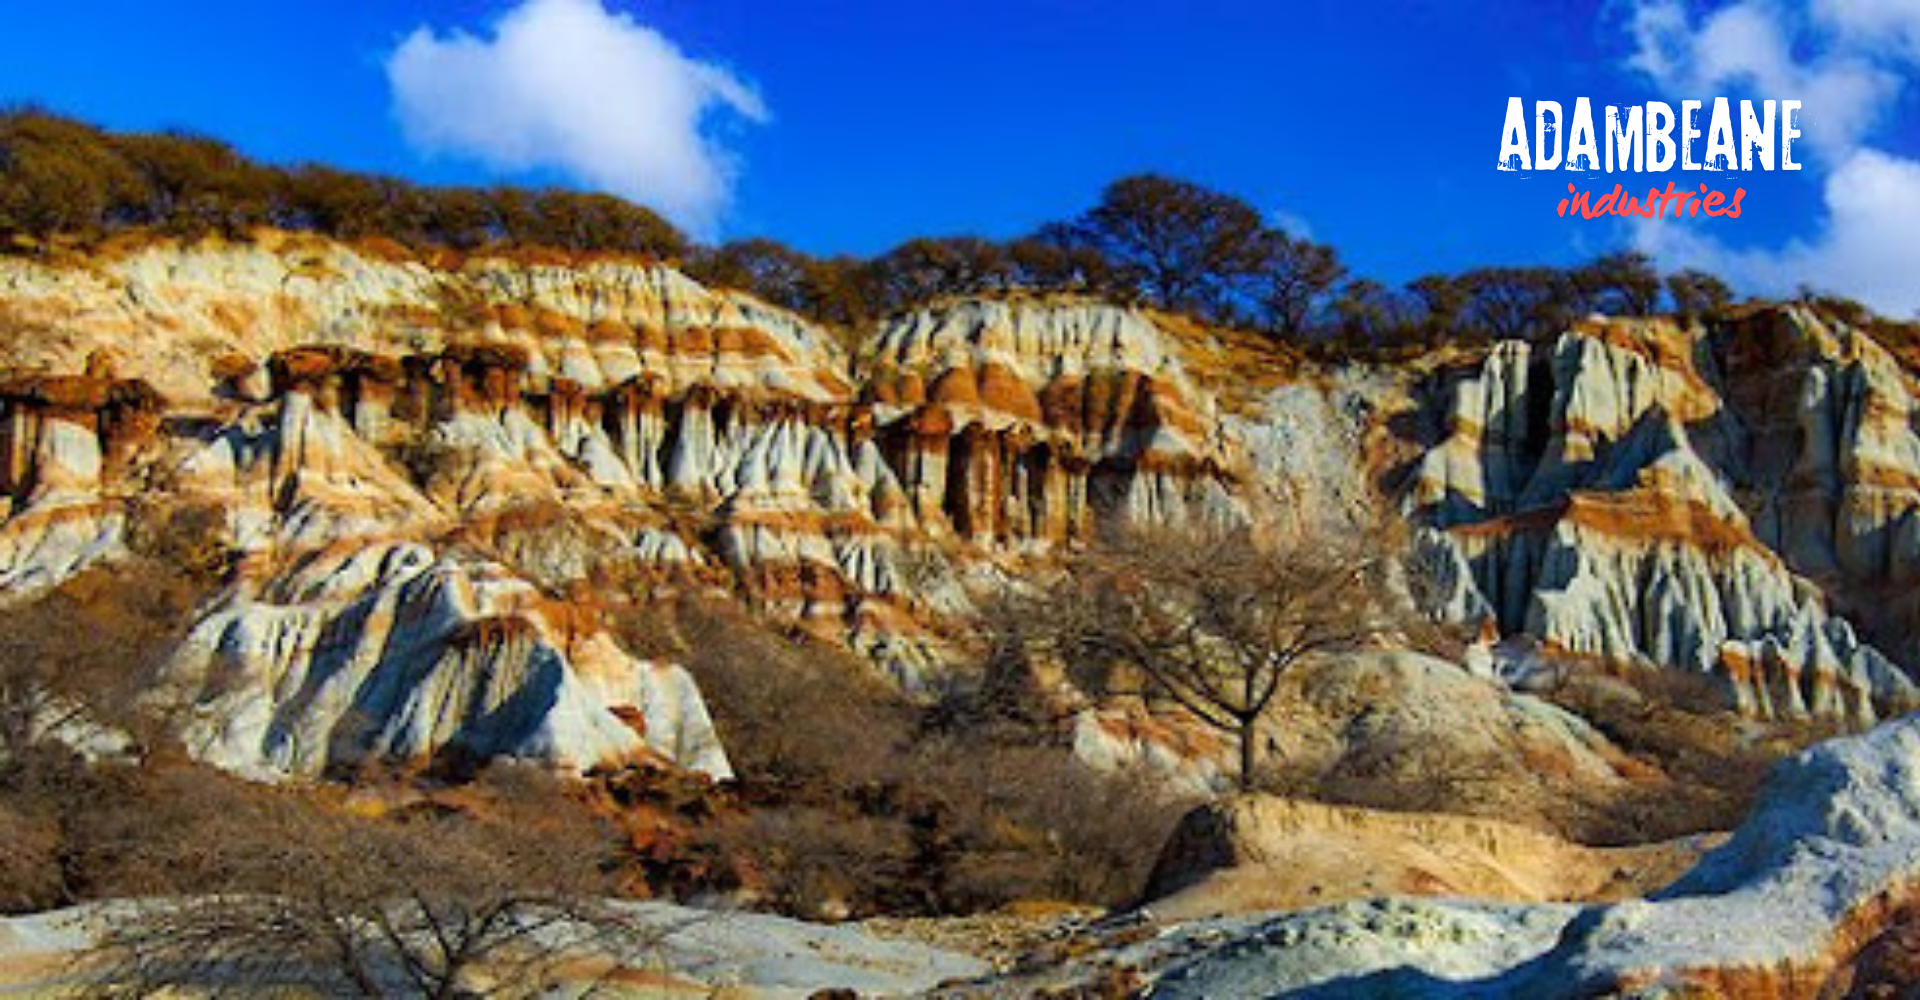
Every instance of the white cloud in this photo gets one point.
(1843, 58)
(1844, 92)
(571, 85)
(1291, 223)
(1887, 25)
(1869, 248)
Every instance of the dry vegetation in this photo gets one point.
(78, 655)
(252, 890)
(1691, 765)
(856, 801)
(1160, 241)
(1708, 760)
(62, 180)
(853, 799)
(1208, 620)
(256, 887)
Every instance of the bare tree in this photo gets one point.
(1182, 246)
(1697, 294)
(1209, 620)
(74, 658)
(1295, 279)
(435, 904)
(1622, 283)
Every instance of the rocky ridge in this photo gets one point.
(1643, 492)
(430, 479)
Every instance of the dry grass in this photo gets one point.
(854, 801)
(1705, 762)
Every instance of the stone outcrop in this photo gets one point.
(1802, 900)
(1645, 493)
(1398, 729)
(404, 461)
(1252, 853)
(1030, 422)
(599, 431)
(1827, 859)
(63, 439)
(386, 651)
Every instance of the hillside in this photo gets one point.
(466, 446)
(440, 510)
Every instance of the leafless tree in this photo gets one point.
(435, 904)
(1210, 620)
(75, 657)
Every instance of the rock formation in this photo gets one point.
(428, 478)
(1254, 853)
(1647, 493)
(394, 651)
(1801, 901)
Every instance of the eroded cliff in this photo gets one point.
(1642, 492)
(430, 480)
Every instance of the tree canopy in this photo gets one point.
(62, 178)
(1149, 239)
(1210, 621)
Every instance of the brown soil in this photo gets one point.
(1265, 853)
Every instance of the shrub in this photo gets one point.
(63, 178)
(265, 889)
(31, 878)
(81, 653)
(72, 661)
(862, 802)
(1709, 761)
(191, 542)
(795, 715)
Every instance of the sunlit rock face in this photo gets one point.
(417, 469)
(62, 440)
(598, 431)
(391, 652)
(1812, 896)
(1645, 493)
(1014, 421)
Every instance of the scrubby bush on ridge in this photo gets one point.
(1149, 239)
(62, 178)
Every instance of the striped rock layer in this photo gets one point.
(1740, 501)
(433, 482)
(435, 478)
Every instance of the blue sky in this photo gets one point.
(849, 125)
